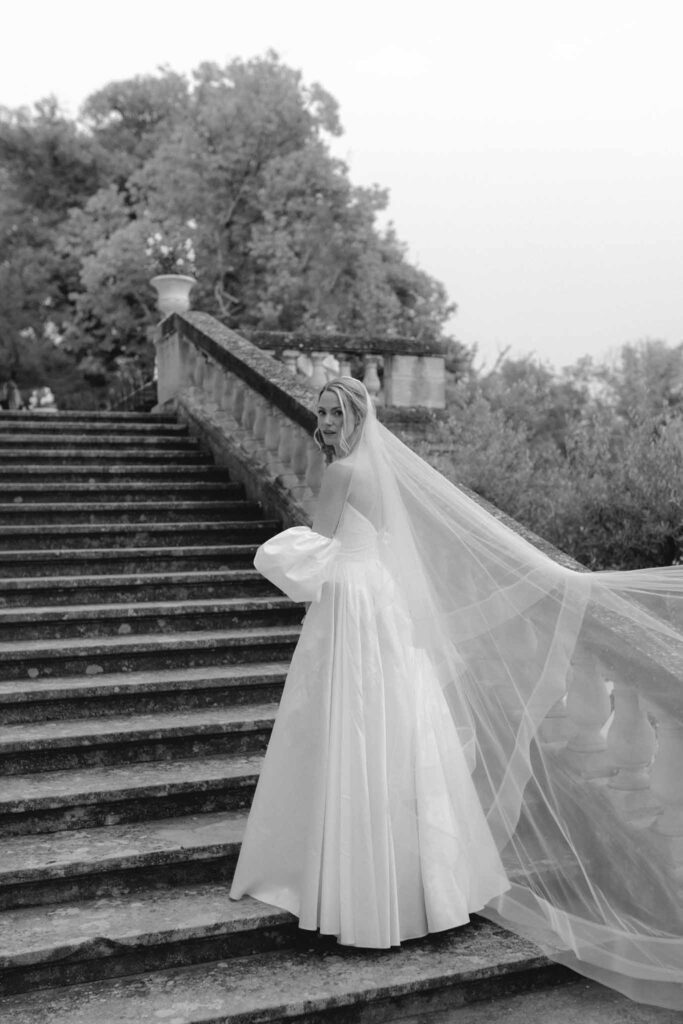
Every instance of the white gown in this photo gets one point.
(365, 823)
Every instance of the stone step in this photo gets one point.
(102, 588)
(25, 417)
(106, 513)
(46, 438)
(126, 933)
(54, 801)
(161, 471)
(126, 491)
(158, 736)
(140, 560)
(128, 693)
(35, 456)
(97, 432)
(83, 864)
(47, 659)
(77, 537)
(144, 617)
(316, 980)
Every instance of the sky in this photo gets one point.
(533, 151)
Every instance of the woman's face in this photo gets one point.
(331, 419)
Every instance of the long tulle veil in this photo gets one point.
(514, 636)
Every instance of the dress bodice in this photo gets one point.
(357, 536)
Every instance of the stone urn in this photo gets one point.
(173, 292)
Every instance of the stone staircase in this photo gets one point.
(141, 660)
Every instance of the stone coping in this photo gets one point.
(342, 342)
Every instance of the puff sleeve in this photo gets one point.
(298, 561)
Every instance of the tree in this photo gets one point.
(130, 119)
(647, 380)
(238, 156)
(566, 455)
(51, 162)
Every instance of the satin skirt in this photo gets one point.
(365, 823)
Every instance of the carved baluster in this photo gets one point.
(630, 748)
(289, 358)
(218, 386)
(209, 383)
(224, 391)
(300, 462)
(271, 440)
(344, 364)
(233, 390)
(285, 452)
(184, 353)
(371, 376)
(248, 417)
(588, 708)
(190, 359)
(555, 726)
(239, 398)
(198, 369)
(667, 773)
(261, 405)
(319, 374)
(630, 740)
(314, 468)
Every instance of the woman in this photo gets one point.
(354, 828)
(407, 782)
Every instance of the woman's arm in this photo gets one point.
(333, 492)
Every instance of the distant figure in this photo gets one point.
(14, 399)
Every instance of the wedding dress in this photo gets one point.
(407, 783)
(365, 823)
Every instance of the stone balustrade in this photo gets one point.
(247, 408)
(617, 729)
(250, 406)
(396, 371)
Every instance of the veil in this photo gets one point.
(536, 661)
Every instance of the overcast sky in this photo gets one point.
(533, 149)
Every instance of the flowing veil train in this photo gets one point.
(504, 628)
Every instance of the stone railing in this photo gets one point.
(617, 730)
(255, 410)
(396, 371)
(619, 727)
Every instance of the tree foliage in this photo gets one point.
(590, 458)
(237, 156)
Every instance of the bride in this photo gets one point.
(406, 785)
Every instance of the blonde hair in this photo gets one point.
(353, 399)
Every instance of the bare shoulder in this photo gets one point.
(338, 472)
(335, 482)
